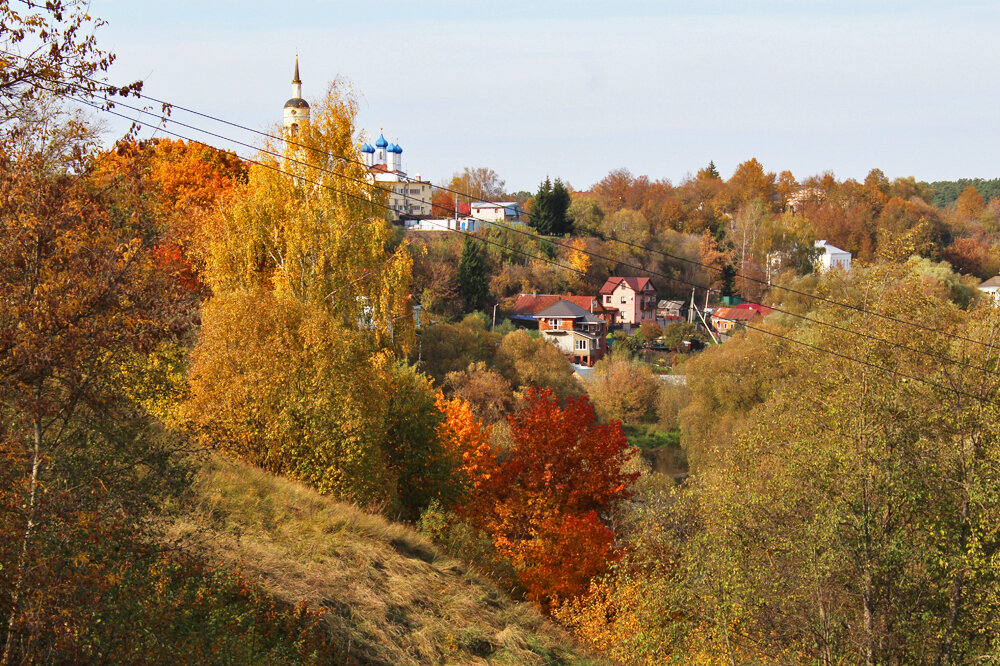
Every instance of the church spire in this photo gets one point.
(297, 82)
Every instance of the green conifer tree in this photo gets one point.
(549, 210)
(473, 283)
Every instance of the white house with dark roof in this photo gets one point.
(991, 288)
(580, 334)
(831, 257)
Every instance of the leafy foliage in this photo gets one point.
(295, 367)
(50, 49)
(837, 512)
(541, 502)
(623, 388)
(947, 192)
(529, 362)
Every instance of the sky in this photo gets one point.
(572, 89)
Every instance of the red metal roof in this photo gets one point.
(737, 313)
(635, 284)
(762, 309)
(529, 304)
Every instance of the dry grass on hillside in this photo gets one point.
(391, 597)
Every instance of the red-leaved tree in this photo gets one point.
(542, 502)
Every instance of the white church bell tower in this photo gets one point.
(296, 108)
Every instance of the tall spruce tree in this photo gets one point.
(473, 283)
(549, 210)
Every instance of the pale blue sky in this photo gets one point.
(573, 89)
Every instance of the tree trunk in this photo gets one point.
(869, 630)
(22, 560)
(956, 593)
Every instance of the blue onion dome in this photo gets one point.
(367, 148)
(398, 149)
(381, 143)
(296, 103)
(391, 148)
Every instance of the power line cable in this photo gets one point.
(320, 184)
(938, 356)
(167, 106)
(569, 268)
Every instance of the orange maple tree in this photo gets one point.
(188, 182)
(541, 502)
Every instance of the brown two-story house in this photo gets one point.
(579, 334)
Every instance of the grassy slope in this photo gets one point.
(391, 597)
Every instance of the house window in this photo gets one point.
(581, 344)
(607, 299)
(554, 323)
(623, 299)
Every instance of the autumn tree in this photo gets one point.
(969, 205)
(487, 393)
(838, 511)
(751, 183)
(676, 332)
(435, 275)
(467, 441)
(189, 183)
(477, 184)
(442, 203)
(627, 225)
(973, 256)
(719, 262)
(528, 362)
(585, 214)
(890, 522)
(84, 303)
(51, 49)
(309, 311)
(623, 389)
(542, 504)
(452, 347)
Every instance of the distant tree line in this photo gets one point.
(946, 192)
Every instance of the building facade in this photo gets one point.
(296, 115)
(991, 288)
(523, 312)
(634, 299)
(580, 335)
(442, 224)
(831, 257)
(507, 211)
(727, 319)
(409, 197)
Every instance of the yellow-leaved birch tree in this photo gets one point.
(310, 308)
